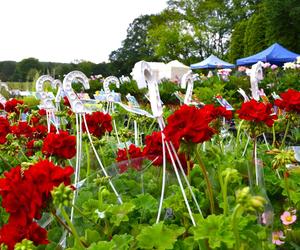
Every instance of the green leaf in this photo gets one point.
(102, 245)
(159, 236)
(92, 236)
(146, 202)
(54, 234)
(217, 229)
(120, 212)
(122, 242)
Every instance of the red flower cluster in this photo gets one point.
(153, 148)
(290, 101)
(216, 112)
(36, 119)
(40, 131)
(154, 152)
(191, 124)
(22, 129)
(11, 105)
(4, 129)
(66, 102)
(257, 112)
(24, 195)
(31, 148)
(61, 145)
(98, 123)
(129, 158)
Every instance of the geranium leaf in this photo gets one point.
(159, 236)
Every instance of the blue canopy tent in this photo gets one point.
(212, 62)
(275, 54)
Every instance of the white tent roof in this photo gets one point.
(176, 63)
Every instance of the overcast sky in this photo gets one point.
(65, 30)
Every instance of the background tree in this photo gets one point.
(7, 70)
(23, 67)
(283, 23)
(134, 47)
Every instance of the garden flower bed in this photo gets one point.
(224, 187)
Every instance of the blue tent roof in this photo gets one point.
(275, 54)
(212, 62)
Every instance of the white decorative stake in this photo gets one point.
(256, 75)
(5, 86)
(46, 100)
(243, 93)
(79, 110)
(187, 79)
(2, 100)
(76, 104)
(142, 73)
(57, 84)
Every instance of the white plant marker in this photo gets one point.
(80, 111)
(256, 75)
(143, 75)
(187, 80)
(110, 98)
(57, 84)
(46, 100)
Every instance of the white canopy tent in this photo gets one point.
(175, 70)
(172, 71)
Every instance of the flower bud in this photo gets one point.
(25, 245)
(3, 247)
(62, 195)
(242, 195)
(257, 202)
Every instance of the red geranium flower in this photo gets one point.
(11, 105)
(40, 131)
(61, 145)
(4, 129)
(257, 112)
(190, 124)
(66, 102)
(24, 195)
(22, 129)
(153, 149)
(11, 233)
(98, 123)
(290, 101)
(131, 157)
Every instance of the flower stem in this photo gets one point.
(286, 185)
(236, 212)
(274, 135)
(70, 224)
(208, 183)
(285, 133)
(88, 161)
(225, 194)
(238, 133)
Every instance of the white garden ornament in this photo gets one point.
(142, 73)
(187, 81)
(47, 100)
(80, 110)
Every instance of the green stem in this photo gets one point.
(238, 133)
(208, 183)
(88, 161)
(274, 135)
(235, 225)
(285, 133)
(70, 224)
(225, 195)
(287, 188)
(60, 221)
